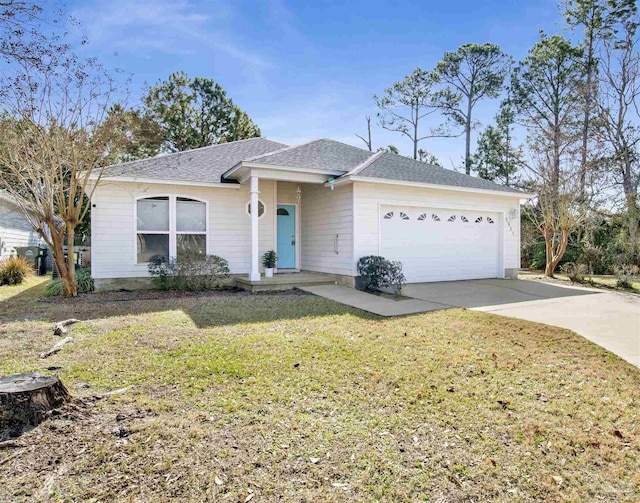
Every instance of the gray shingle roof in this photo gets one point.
(208, 164)
(321, 154)
(396, 167)
(205, 164)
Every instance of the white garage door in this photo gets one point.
(441, 245)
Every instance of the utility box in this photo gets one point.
(36, 255)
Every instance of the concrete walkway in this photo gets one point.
(382, 306)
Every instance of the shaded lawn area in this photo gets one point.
(290, 397)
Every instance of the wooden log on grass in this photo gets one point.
(59, 328)
(56, 347)
(25, 400)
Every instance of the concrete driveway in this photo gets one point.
(610, 319)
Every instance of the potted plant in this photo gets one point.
(269, 260)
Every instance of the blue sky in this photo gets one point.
(304, 69)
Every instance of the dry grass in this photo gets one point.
(289, 397)
(596, 281)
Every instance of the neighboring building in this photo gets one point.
(321, 205)
(15, 229)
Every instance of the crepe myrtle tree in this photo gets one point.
(55, 134)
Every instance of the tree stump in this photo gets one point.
(25, 400)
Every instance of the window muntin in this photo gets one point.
(170, 226)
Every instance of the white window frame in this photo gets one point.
(248, 212)
(172, 232)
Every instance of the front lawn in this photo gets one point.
(290, 397)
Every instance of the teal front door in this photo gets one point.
(286, 236)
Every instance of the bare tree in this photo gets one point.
(405, 105)
(597, 18)
(558, 210)
(619, 116)
(54, 136)
(367, 141)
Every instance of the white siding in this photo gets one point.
(325, 214)
(370, 196)
(15, 230)
(113, 231)
(287, 192)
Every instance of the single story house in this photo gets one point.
(320, 205)
(15, 230)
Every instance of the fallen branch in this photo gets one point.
(11, 444)
(59, 329)
(114, 392)
(57, 347)
(9, 458)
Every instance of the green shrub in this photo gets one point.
(189, 272)
(378, 272)
(84, 281)
(577, 273)
(14, 270)
(270, 259)
(625, 275)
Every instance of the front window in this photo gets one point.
(170, 227)
(153, 228)
(191, 227)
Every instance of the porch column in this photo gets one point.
(255, 259)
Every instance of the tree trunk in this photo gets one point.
(554, 256)
(587, 118)
(467, 145)
(70, 286)
(548, 270)
(25, 400)
(415, 139)
(633, 217)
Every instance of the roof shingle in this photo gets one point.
(323, 155)
(396, 167)
(205, 164)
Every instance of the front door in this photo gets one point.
(286, 236)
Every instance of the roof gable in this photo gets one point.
(321, 155)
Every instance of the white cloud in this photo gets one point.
(172, 28)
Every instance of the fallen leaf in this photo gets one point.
(618, 434)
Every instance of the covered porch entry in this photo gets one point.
(288, 210)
